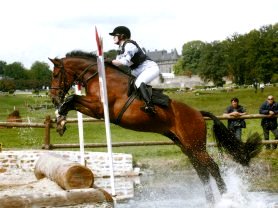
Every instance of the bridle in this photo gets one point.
(64, 86)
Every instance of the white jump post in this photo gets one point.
(80, 128)
(103, 93)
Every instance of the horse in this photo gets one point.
(14, 117)
(181, 123)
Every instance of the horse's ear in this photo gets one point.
(52, 60)
(55, 61)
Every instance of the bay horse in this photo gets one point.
(14, 117)
(184, 125)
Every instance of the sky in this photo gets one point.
(33, 30)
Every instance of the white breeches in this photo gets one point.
(146, 72)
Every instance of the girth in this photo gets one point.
(130, 99)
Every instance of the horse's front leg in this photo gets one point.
(88, 105)
(62, 112)
(61, 121)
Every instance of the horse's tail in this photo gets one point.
(240, 152)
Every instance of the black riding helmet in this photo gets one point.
(121, 30)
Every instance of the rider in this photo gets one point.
(143, 68)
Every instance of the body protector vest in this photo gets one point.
(138, 57)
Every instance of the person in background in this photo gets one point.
(235, 110)
(262, 87)
(143, 68)
(255, 84)
(270, 108)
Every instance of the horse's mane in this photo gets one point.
(92, 55)
(81, 54)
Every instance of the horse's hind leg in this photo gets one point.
(207, 162)
(215, 172)
(203, 174)
(203, 165)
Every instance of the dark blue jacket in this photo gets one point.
(232, 123)
(269, 123)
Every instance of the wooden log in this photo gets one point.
(22, 125)
(47, 123)
(67, 174)
(57, 198)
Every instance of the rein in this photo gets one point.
(80, 77)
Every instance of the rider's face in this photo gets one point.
(116, 39)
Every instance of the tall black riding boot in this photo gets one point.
(149, 107)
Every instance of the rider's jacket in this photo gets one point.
(138, 58)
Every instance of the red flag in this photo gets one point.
(79, 86)
(99, 43)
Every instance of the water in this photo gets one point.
(238, 195)
(184, 190)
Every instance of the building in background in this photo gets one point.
(165, 60)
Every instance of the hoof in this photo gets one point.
(61, 130)
(61, 125)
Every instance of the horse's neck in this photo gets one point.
(117, 80)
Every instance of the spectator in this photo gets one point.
(235, 110)
(270, 108)
(255, 84)
(262, 87)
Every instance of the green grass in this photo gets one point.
(213, 101)
(23, 103)
(216, 101)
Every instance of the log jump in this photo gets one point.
(57, 198)
(67, 174)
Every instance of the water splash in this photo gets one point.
(239, 196)
(185, 190)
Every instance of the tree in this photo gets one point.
(40, 74)
(212, 63)
(189, 61)
(267, 62)
(236, 59)
(253, 55)
(15, 70)
(7, 85)
(40, 70)
(2, 66)
(242, 58)
(178, 67)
